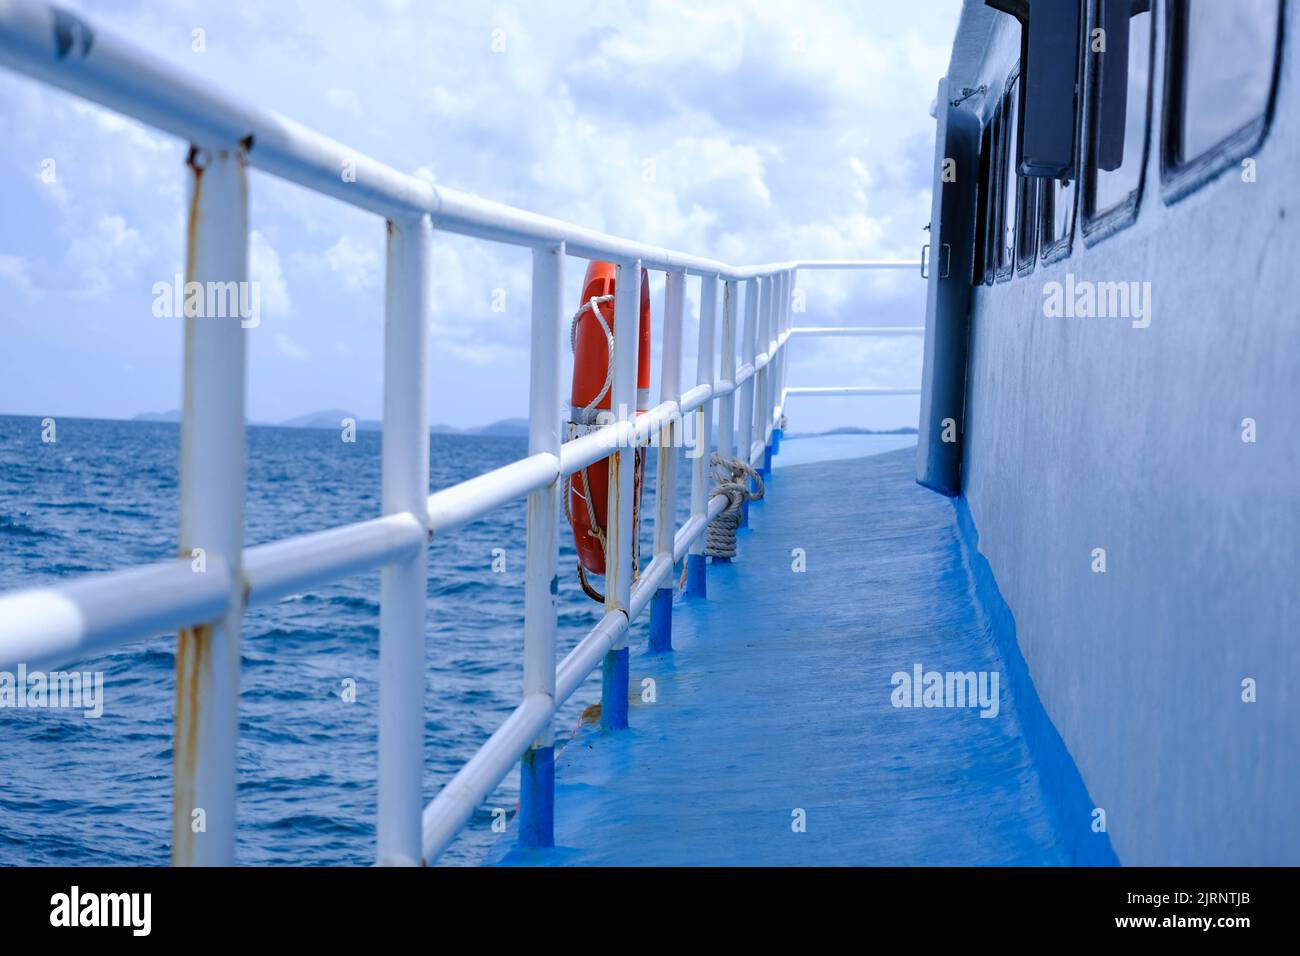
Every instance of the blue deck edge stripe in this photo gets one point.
(1064, 790)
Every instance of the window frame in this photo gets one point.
(1093, 225)
(993, 221)
(1004, 272)
(1180, 179)
(982, 205)
(1027, 205)
(1057, 247)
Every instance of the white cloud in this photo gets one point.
(16, 272)
(264, 269)
(135, 134)
(289, 348)
(345, 101)
(775, 128)
(355, 263)
(102, 256)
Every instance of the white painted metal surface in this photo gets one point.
(50, 625)
(544, 438)
(670, 387)
(212, 518)
(745, 374)
(704, 377)
(403, 583)
(622, 465)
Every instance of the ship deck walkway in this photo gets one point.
(775, 707)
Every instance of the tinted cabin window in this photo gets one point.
(1058, 212)
(1027, 235)
(1010, 184)
(993, 228)
(1109, 189)
(983, 205)
(1224, 54)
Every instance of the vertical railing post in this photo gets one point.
(537, 768)
(619, 542)
(761, 377)
(206, 745)
(745, 398)
(773, 363)
(787, 323)
(696, 561)
(727, 406)
(403, 584)
(778, 381)
(670, 390)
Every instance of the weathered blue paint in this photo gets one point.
(613, 690)
(661, 621)
(767, 462)
(778, 700)
(744, 513)
(697, 576)
(776, 443)
(1067, 796)
(537, 798)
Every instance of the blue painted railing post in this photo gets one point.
(613, 690)
(668, 440)
(620, 533)
(661, 621)
(697, 577)
(537, 797)
(537, 766)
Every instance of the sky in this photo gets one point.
(743, 131)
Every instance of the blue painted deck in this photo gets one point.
(777, 698)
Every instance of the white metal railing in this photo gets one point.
(886, 331)
(205, 601)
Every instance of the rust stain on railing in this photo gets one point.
(193, 655)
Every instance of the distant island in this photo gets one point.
(853, 430)
(332, 419)
(506, 428)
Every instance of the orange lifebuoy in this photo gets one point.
(591, 395)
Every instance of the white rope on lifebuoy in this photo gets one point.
(594, 304)
(731, 478)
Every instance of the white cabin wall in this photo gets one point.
(1088, 433)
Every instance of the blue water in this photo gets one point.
(803, 450)
(98, 791)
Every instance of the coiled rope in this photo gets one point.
(729, 480)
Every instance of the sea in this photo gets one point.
(103, 496)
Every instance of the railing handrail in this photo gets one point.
(50, 624)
